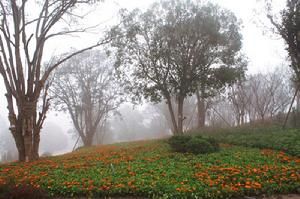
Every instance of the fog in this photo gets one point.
(144, 121)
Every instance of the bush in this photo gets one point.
(196, 145)
(179, 142)
(214, 143)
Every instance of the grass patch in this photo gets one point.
(150, 169)
(287, 140)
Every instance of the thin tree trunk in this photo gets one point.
(298, 102)
(242, 117)
(180, 115)
(201, 110)
(171, 111)
(290, 108)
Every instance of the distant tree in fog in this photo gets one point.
(134, 123)
(176, 48)
(260, 96)
(8, 150)
(87, 89)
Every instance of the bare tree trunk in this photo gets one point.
(298, 102)
(36, 143)
(18, 137)
(28, 112)
(238, 119)
(201, 110)
(88, 140)
(242, 116)
(290, 108)
(171, 111)
(180, 115)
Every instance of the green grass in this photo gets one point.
(150, 169)
(287, 140)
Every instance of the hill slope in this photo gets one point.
(151, 169)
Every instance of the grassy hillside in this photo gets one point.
(287, 140)
(150, 169)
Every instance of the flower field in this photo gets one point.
(150, 169)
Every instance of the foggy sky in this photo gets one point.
(264, 53)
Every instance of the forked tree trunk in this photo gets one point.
(86, 137)
(88, 141)
(25, 135)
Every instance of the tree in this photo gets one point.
(172, 47)
(216, 80)
(240, 100)
(270, 95)
(85, 87)
(287, 25)
(260, 96)
(23, 37)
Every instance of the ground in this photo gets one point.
(150, 169)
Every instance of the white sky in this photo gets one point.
(264, 53)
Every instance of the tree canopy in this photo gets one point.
(175, 47)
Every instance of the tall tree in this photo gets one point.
(85, 87)
(23, 38)
(172, 46)
(287, 25)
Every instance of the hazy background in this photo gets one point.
(265, 53)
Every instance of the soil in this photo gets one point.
(288, 196)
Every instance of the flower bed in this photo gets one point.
(151, 169)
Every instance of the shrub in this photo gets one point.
(214, 143)
(179, 142)
(196, 145)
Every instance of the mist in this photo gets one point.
(147, 120)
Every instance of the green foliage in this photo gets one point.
(287, 25)
(179, 142)
(153, 44)
(199, 146)
(196, 145)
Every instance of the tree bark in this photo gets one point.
(36, 143)
(19, 144)
(88, 140)
(173, 119)
(180, 115)
(26, 136)
(201, 110)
